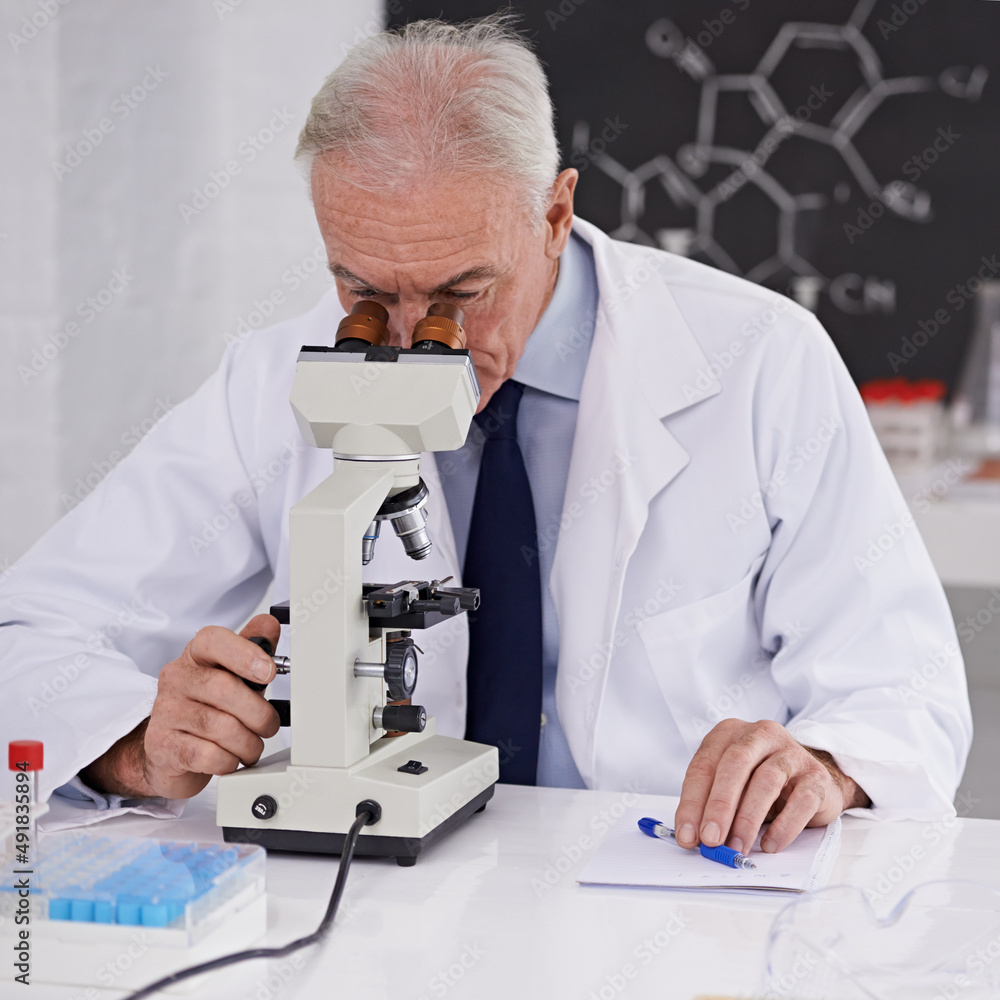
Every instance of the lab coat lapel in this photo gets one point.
(643, 365)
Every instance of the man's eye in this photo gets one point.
(363, 293)
(460, 295)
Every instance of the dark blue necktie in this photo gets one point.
(505, 634)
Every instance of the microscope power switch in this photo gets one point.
(264, 807)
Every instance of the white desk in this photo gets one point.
(476, 897)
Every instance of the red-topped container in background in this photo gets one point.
(908, 418)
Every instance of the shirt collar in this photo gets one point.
(555, 357)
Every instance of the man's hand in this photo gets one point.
(747, 773)
(204, 721)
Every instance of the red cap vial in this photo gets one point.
(24, 752)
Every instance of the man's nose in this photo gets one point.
(403, 318)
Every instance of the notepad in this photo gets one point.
(629, 857)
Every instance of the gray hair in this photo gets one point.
(433, 97)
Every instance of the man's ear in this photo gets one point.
(559, 215)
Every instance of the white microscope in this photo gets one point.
(355, 664)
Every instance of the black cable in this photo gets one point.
(364, 817)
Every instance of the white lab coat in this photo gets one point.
(732, 545)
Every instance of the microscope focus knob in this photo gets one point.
(400, 718)
(401, 669)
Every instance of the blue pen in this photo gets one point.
(724, 855)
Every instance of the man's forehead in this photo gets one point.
(440, 228)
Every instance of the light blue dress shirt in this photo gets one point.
(552, 369)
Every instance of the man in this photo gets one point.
(707, 494)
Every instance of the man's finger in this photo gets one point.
(224, 730)
(765, 787)
(698, 781)
(804, 801)
(732, 776)
(185, 684)
(191, 753)
(214, 646)
(263, 626)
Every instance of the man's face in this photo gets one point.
(465, 240)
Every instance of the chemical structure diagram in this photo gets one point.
(679, 176)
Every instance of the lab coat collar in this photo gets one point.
(666, 363)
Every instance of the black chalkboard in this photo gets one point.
(847, 149)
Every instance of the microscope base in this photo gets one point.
(404, 849)
(313, 807)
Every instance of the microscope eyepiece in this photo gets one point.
(366, 325)
(440, 328)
